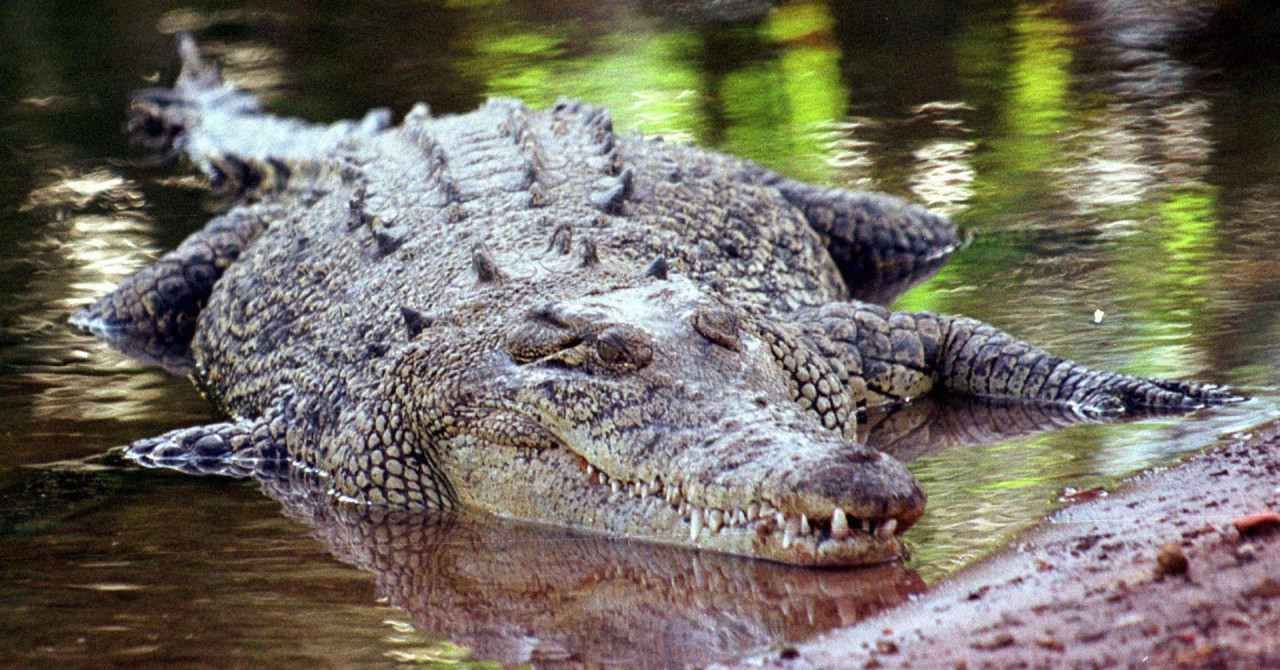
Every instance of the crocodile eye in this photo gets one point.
(718, 325)
(610, 353)
(622, 348)
(544, 334)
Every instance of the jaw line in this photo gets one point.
(757, 529)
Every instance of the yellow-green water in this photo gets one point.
(1138, 182)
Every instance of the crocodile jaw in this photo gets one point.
(559, 487)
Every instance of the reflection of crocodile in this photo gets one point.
(526, 312)
(519, 594)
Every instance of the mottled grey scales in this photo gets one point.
(528, 312)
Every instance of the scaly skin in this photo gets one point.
(525, 312)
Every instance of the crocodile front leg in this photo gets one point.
(236, 448)
(894, 356)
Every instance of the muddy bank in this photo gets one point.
(1155, 574)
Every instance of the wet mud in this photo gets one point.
(1177, 568)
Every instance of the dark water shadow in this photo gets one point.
(172, 356)
(515, 593)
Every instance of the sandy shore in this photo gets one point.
(1167, 571)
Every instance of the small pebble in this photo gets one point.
(1050, 643)
(1266, 588)
(1255, 522)
(1171, 561)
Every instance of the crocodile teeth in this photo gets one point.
(753, 511)
(656, 487)
(591, 470)
(804, 524)
(695, 524)
(789, 535)
(886, 529)
(781, 519)
(715, 518)
(613, 484)
(603, 478)
(866, 525)
(739, 517)
(839, 524)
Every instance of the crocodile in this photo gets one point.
(526, 312)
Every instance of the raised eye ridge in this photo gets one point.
(538, 339)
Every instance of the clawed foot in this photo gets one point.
(233, 449)
(1120, 394)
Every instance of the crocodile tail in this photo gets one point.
(978, 359)
(163, 119)
(225, 132)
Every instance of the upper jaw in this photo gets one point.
(751, 527)
(843, 508)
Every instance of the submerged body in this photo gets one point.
(526, 312)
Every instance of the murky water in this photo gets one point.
(1125, 198)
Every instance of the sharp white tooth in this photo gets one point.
(591, 469)
(604, 479)
(656, 486)
(695, 524)
(887, 528)
(866, 525)
(715, 518)
(789, 535)
(781, 519)
(644, 490)
(839, 524)
(804, 524)
(676, 498)
(739, 517)
(613, 484)
(753, 511)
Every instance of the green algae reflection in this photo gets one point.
(757, 91)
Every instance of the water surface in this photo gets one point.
(1125, 201)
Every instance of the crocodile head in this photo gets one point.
(646, 408)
